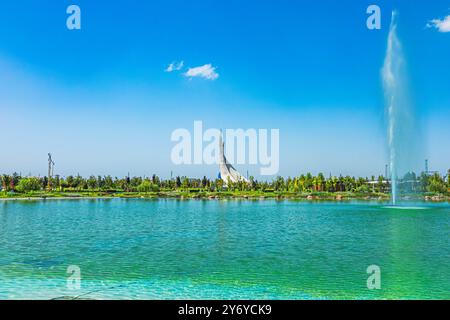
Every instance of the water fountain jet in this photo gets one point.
(400, 116)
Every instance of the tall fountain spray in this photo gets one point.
(402, 131)
(390, 82)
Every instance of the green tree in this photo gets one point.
(448, 179)
(28, 184)
(70, 181)
(320, 182)
(6, 181)
(437, 184)
(109, 183)
(92, 183)
(144, 186)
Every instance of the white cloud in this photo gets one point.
(175, 66)
(206, 71)
(442, 25)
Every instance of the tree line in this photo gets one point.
(435, 183)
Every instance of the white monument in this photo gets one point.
(227, 171)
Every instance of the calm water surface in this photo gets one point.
(158, 249)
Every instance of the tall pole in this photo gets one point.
(49, 184)
(51, 167)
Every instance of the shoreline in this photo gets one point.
(382, 198)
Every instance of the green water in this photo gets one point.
(158, 249)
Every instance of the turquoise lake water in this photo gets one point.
(172, 249)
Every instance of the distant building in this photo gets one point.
(427, 171)
(227, 171)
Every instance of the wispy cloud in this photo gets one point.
(206, 71)
(174, 66)
(443, 25)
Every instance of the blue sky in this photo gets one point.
(100, 100)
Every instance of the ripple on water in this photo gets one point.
(406, 208)
(242, 250)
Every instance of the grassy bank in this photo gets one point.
(200, 194)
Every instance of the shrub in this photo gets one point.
(147, 186)
(28, 184)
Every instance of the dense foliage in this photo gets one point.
(410, 183)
